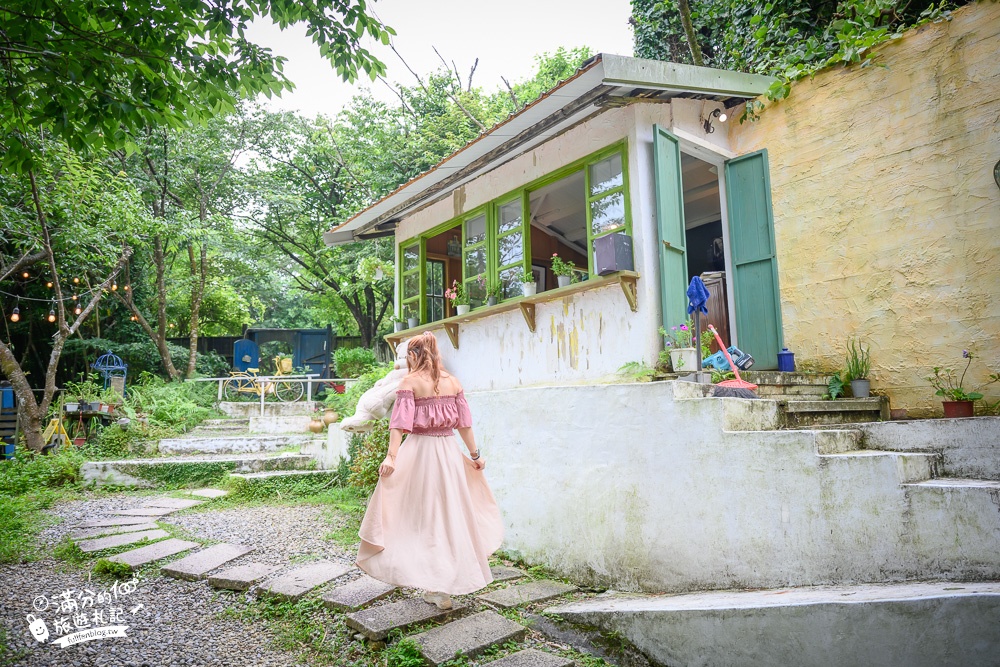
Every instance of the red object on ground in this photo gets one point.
(738, 382)
(958, 408)
(339, 388)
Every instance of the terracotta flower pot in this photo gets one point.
(330, 416)
(316, 425)
(958, 408)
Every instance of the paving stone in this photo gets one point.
(530, 657)
(174, 503)
(359, 593)
(208, 493)
(241, 577)
(111, 530)
(200, 563)
(532, 591)
(504, 573)
(296, 583)
(115, 521)
(377, 622)
(139, 557)
(147, 511)
(121, 539)
(469, 636)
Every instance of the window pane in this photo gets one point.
(411, 285)
(411, 256)
(435, 278)
(510, 281)
(608, 213)
(606, 174)
(477, 292)
(475, 230)
(511, 248)
(475, 262)
(411, 310)
(510, 216)
(435, 309)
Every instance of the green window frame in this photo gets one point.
(486, 228)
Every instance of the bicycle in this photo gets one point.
(246, 386)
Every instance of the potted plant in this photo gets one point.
(528, 285)
(458, 296)
(492, 289)
(316, 424)
(412, 321)
(71, 402)
(398, 324)
(858, 367)
(563, 270)
(680, 342)
(951, 386)
(90, 396)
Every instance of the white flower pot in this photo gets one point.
(684, 360)
(529, 289)
(412, 322)
(861, 388)
(564, 281)
(398, 326)
(462, 309)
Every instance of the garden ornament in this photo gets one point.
(376, 403)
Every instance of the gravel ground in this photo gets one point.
(178, 623)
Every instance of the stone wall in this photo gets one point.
(887, 217)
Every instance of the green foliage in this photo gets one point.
(720, 376)
(112, 569)
(180, 475)
(293, 486)
(637, 371)
(788, 39)
(346, 404)
(835, 387)
(173, 405)
(366, 452)
(404, 653)
(948, 384)
(859, 363)
(352, 362)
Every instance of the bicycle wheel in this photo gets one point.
(241, 389)
(289, 392)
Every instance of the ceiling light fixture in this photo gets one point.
(720, 114)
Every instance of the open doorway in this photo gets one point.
(704, 239)
(558, 225)
(443, 265)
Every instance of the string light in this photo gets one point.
(76, 281)
(49, 284)
(114, 287)
(133, 318)
(26, 275)
(77, 309)
(16, 315)
(52, 315)
(126, 288)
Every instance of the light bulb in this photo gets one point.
(114, 287)
(126, 288)
(724, 117)
(76, 281)
(25, 275)
(49, 284)
(74, 297)
(52, 316)
(16, 315)
(133, 318)
(77, 310)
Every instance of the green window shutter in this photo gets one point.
(670, 226)
(512, 248)
(754, 259)
(476, 256)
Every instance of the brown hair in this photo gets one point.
(427, 356)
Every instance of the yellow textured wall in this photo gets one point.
(887, 217)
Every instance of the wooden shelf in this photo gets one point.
(526, 304)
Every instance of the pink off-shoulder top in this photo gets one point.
(430, 415)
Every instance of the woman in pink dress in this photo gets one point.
(432, 521)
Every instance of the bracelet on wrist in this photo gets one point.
(475, 455)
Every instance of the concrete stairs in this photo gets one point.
(800, 399)
(140, 472)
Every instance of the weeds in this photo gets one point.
(111, 569)
(404, 653)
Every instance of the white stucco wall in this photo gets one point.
(628, 487)
(588, 336)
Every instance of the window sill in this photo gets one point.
(526, 304)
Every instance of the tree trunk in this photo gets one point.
(160, 336)
(692, 37)
(199, 275)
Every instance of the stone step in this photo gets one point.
(291, 474)
(840, 411)
(208, 493)
(200, 563)
(504, 573)
(241, 577)
(910, 467)
(146, 511)
(250, 409)
(357, 594)
(231, 444)
(111, 530)
(527, 593)
(173, 503)
(124, 472)
(957, 519)
(296, 583)
(233, 421)
(297, 424)
(837, 441)
(116, 521)
(120, 539)
(530, 657)
(153, 552)
(468, 636)
(376, 623)
(916, 624)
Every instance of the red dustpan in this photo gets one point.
(739, 382)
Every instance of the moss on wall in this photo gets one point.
(885, 209)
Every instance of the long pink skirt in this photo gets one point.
(433, 523)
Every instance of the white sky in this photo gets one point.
(505, 36)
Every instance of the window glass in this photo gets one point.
(511, 248)
(411, 257)
(477, 293)
(510, 216)
(475, 230)
(510, 282)
(606, 175)
(475, 262)
(607, 213)
(411, 285)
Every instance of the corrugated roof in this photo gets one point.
(602, 77)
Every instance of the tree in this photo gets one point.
(98, 73)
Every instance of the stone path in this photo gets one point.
(199, 564)
(357, 594)
(154, 552)
(377, 622)
(293, 585)
(522, 594)
(468, 636)
(87, 546)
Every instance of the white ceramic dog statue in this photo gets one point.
(376, 403)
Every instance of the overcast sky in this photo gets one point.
(505, 36)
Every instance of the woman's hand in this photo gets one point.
(480, 463)
(387, 467)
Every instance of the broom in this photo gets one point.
(738, 383)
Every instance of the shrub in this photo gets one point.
(351, 362)
(367, 451)
(347, 402)
(174, 405)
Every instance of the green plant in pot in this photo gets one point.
(959, 402)
(680, 342)
(563, 270)
(528, 285)
(859, 366)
